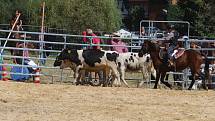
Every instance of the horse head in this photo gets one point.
(144, 48)
(57, 61)
(149, 46)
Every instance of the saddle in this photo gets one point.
(179, 53)
(163, 51)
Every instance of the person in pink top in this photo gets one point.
(25, 53)
(87, 40)
(117, 41)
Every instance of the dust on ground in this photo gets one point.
(54, 102)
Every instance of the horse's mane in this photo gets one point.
(154, 44)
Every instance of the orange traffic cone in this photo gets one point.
(37, 76)
(4, 73)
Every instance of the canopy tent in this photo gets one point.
(120, 33)
(123, 33)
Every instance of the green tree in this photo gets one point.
(5, 13)
(199, 13)
(77, 15)
(209, 18)
(68, 14)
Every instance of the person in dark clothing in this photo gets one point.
(172, 39)
(18, 25)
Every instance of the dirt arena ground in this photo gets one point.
(52, 102)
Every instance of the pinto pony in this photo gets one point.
(189, 59)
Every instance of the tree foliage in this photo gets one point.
(199, 13)
(5, 11)
(68, 14)
(209, 18)
(137, 14)
(103, 15)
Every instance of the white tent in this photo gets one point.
(124, 33)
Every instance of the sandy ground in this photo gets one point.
(52, 102)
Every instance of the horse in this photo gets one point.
(209, 53)
(176, 77)
(189, 59)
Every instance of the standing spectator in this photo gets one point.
(94, 39)
(117, 41)
(18, 25)
(142, 31)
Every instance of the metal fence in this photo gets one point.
(73, 41)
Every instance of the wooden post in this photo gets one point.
(41, 36)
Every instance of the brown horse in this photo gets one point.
(190, 59)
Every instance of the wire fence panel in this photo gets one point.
(56, 43)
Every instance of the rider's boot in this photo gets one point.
(165, 60)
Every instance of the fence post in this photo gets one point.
(185, 75)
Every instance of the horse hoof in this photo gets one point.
(189, 88)
(205, 88)
(76, 83)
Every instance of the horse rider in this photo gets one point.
(172, 39)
